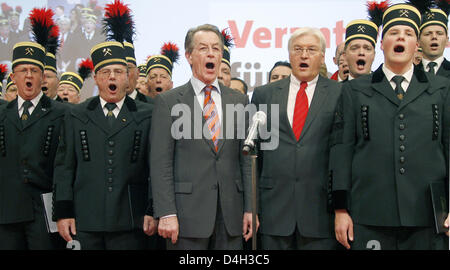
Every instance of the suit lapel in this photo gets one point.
(418, 84)
(42, 109)
(280, 96)
(95, 113)
(226, 99)
(320, 95)
(12, 113)
(381, 85)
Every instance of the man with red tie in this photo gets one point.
(201, 186)
(293, 179)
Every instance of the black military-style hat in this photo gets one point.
(361, 29)
(108, 53)
(28, 53)
(402, 14)
(169, 55)
(3, 20)
(50, 62)
(77, 80)
(437, 16)
(227, 44)
(142, 70)
(129, 52)
(9, 82)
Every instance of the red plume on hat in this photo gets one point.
(170, 50)
(85, 68)
(444, 5)
(3, 72)
(42, 26)
(227, 38)
(118, 22)
(376, 11)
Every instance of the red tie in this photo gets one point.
(300, 110)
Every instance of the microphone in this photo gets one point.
(258, 119)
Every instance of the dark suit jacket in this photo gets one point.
(101, 177)
(443, 71)
(27, 156)
(143, 98)
(187, 174)
(293, 179)
(386, 152)
(2, 101)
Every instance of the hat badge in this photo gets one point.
(157, 60)
(404, 13)
(430, 15)
(70, 78)
(29, 51)
(361, 28)
(107, 51)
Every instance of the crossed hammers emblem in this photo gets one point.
(404, 13)
(29, 51)
(362, 28)
(107, 51)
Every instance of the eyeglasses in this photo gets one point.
(309, 51)
(107, 72)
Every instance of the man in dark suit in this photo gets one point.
(433, 40)
(390, 141)
(29, 129)
(101, 179)
(293, 179)
(133, 75)
(201, 184)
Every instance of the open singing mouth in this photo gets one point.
(159, 89)
(361, 63)
(210, 65)
(399, 49)
(113, 87)
(44, 89)
(304, 65)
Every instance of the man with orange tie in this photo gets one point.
(201, 186)
(293, 177)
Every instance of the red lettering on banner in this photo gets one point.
(260, 35)
(339, 32)
(279, 33)
(240, 41)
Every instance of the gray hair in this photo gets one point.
(189, 40)
(308, 31)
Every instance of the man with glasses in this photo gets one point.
(29, 129)
(101, 179)
(293, 177)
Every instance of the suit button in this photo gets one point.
(401, 116)
(364, 108)
(402, 137)
(111, 152)
(402, 170)
(110, 171)
(110, 180)
(86, 157)
(26, 171)
(402, 159)
(402, 148)
(111, 143)
(110, 189)
(401, 126)
(110, 162)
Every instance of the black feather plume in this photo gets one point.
(422, 5)
(444, 5)
(118, 22)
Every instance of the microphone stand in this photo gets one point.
(254, 157)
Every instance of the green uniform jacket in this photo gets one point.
(2, 101)
(27, 156)
(102, 173)
(443, 71)
(385, 152)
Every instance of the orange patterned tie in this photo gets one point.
(211, 116)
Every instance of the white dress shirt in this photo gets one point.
(133, 94)
(407, 75)
(116, 111)
(215, 95)
(34, 101)
(294, 87)
(438, 61)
